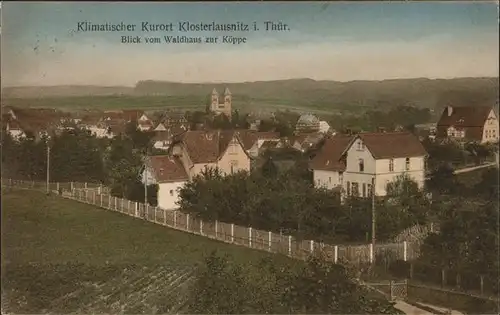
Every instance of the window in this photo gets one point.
(171, 192)
(364, 190)
(355, 189)
(348, 186)
(391, 165)
(341, 178)
(361, 165)
(234, 166)
(370, 190)
(361, 146)
(407, 164)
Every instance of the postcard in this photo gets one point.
(250, 157)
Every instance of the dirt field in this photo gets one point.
(60, 256)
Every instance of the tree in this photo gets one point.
(269, 169)
(315, 287)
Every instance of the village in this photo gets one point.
(355, 164)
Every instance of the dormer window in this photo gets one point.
(391, 165)
(407, 164)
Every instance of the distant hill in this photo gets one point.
(303, 93)
(65, 91)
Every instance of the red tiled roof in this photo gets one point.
(470, 116)
(206, 146)
(167, 168)
(132, 114)
(329, 156)
(386, 145)
(471, 119)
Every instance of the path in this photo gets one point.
(410, 309)
(470, 169)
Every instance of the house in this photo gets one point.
(253, 141)
(305, 142)
(473, 123)
(35, 122)
(355, 162)
(324, 127)
(163, 138)
(14, 129)
(221, 106)
(307, 123)
(169, 174)
(201, 149)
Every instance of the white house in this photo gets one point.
(15, 130)
(324, 126)
(170, 175)
(354, 163)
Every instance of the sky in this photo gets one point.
(42, 45)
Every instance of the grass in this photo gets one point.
(62, 256)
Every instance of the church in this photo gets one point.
(219, 105)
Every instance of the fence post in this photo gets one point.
(121, 204)
(289, 245)
(128, 207)
(155, 209)
(109, 202)
(405, 251)
(201, 227)
(458, 280)
(270, 240)
(93, 198)
(216, 228)
(443, 277)
(101, 200)
(71, 186)
(482, 284)
(250, 237)
(86, 197)
(136, 209)
(232, 232)
(371, 253)
(187, 222)
(411, 271)
(336, 254)
(164, 217)
(116, 203)
(391, 284)
(57, 186)
(175, 218)
(312, 246)
(85, 185)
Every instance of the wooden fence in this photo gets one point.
(99, 196)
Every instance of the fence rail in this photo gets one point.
(97, 195)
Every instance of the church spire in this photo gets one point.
(214, 92)
(227, 92)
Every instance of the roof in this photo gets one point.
(132, 114)
(308, 119)
(469, 116)
(387, 145)
(329, 156)
(249, 137)
(167, 169)
(207, 146)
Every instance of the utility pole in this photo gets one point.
(374, 218)
(146, 186)
(48, 166)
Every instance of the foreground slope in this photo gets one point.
(62, 256)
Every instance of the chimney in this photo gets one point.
(449, 109)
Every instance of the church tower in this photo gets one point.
(215, 100)
(227, 102)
